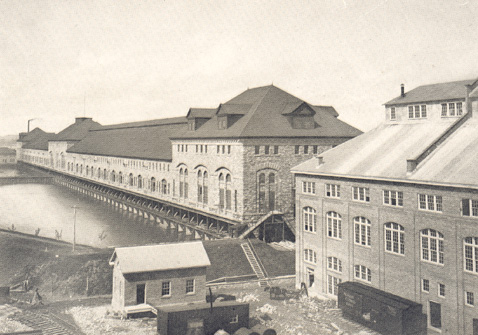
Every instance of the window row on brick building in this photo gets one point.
(431, 240)
(166, 287)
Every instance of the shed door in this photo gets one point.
(140, 290)
(435, 315)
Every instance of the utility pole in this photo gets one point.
(75, 207)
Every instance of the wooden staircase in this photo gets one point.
(254, 264)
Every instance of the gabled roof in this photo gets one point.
(145, 139)
(204, 113)
(36, 139)
(382, 153)
(7, 151)
(262, 109)
(435, 92)
(78, 130)
(161, 257)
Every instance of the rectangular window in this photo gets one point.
(361, 194)
(308, 187)
(441, 290)
(332, 191)
(166, 289)
(315, 149)
(266, 149)
(451, 109)
(429, 202)
(469, 207)
(459, 108)
(228, 149)
(306, 149)
(410, 112)
(333, 284)
(424, 111)
(297, 149)
(393, 116)
(335, 264)
(363, 273)
(417, 112)
(223, 149)
(257, 149)
(393, 198)
(276, 149)
(189, 286)
(444, 110)
(435, 315)
(425, 285)
(218, 149)
(469, 298)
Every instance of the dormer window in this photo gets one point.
(303, 122)
(222, 122)
(192, 124)
(302, 117)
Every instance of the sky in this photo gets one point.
(122, 61)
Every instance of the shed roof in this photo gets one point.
(382, 153)
(261, 114)
(7, 151)
(145, 139)
(434, 92)
(161, 257)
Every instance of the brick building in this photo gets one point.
(396, 208)
(230, 163)
(158, 275)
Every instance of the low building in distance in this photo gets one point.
(151, 276)
(396, 208)
(7, 156)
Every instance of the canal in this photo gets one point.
(28, 207)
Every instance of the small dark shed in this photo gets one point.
(200, 318)
(381, 311)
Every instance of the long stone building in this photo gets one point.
(231, 163)
(396, 208)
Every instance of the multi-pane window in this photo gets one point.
(362, 231)
(393, 115)
(363, 273)
(257, 149)
(469, 207)
(332, 190)
(296, 150)
(189, 286)
(166, 288)
(444, 110)
(469, 298)
(310, 256)
(315, 150)
(276, 149)
(334, 225)
(417, 112)
(266, 149)
(459, 108)
(361, 193)
(430, 202)
(432, 246)
(310, 219)
(308, 187)
(471, 254)
(333, 263)
(306, 149)
(333, 284)
(452, 109)
(441, 290)
(393, 198)
(394, 238)
(425, 285)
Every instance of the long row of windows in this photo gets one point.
(451, 109)
(432, 245)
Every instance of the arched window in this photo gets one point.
(87, 170)
(200, 190)
(228, 191)
(272, 191)
(113, 176)
(98, 175)
(470, 247)
(262, 192)
(140, 181)
(181, 183)
(205, 187)
(153, 184)
(81, 169)
(164, 185)
(394, 238)
(432, 246)
(310, 219)
(77, 168)
(221, 190)
(266, 190)
(131, 180)
(363, 273)
(334, 225)
(310, 256)
(362, 231)
(120, 177)
(105, 174)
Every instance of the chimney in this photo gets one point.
(81, 119)
(320, 160)
(402, 90)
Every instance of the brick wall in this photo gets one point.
(395, 273)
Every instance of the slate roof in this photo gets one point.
(262, 109)
(161, 257)
(145, 139)
(7, 151)
(382, 153)
(206, 113)
(435, 92)
(36, 139)
(78, 130)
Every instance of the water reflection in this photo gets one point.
(28, 207)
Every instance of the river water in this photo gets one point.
(28, 207)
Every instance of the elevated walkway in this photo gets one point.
(272, 227)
